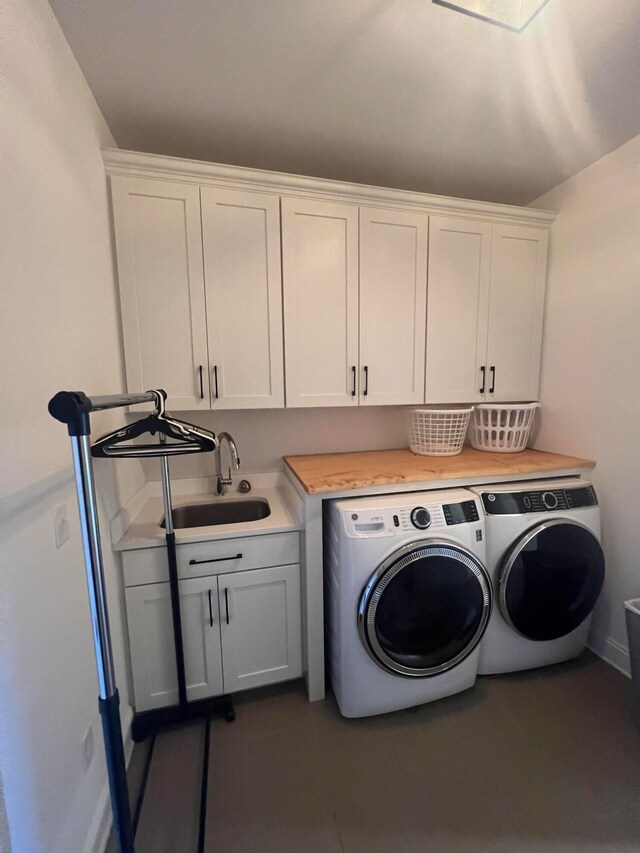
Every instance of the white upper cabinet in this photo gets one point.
(457, 309)
(393, 294)
(518, 276)
(241, 240)
(159, 250)
(320, 281)
(243, 289)
(484, 313)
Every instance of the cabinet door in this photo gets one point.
(393, 292)
(457, 309)
(320, 278)
(153, 661)
(260, 626)
(241, 241)
(159, 248)
(518, 275)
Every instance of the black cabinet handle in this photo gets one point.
(210, 610)
(353, 387)
(215, 379)
(483, 370)
(215, 560)
(366, 380)
(226, 602)
(201, 383)
(492, 369)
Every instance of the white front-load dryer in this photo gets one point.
(408, 598)
(547, 569)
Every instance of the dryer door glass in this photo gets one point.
(425, 609)
(551, 580)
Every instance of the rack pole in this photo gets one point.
(109, 700)
(174, 588)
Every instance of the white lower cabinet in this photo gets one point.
(153, 662)
(239, 630)
(260, 626)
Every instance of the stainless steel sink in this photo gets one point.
(228, 511)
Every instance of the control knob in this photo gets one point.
(550, 500)
(420, 518)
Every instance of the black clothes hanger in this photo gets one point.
(185, 437)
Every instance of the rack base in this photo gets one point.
(148, 722)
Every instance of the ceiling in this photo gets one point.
(397, 93)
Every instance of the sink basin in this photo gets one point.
(220, 512)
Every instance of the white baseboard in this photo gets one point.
(612, 652)
(98, 834)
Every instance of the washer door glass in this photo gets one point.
(425, 609)
(551, 580)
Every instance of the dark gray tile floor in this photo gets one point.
(538, 762)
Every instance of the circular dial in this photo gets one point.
(549, 500)
(420, 518)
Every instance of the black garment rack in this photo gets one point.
(74, 408)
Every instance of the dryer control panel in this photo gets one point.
(538, 500)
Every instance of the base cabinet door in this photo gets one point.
(153, 661)
(260, 626)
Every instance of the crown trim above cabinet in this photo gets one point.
(161, 167)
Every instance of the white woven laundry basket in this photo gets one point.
(502, 429)
(438, 432)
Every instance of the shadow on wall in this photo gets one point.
(5, 838)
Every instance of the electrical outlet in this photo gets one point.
(60, 524)
(88, 747)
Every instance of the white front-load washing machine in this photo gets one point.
(547, 569)
(408, 598)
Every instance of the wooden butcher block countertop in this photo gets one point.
(337, 472)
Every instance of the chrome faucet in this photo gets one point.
(223, 482)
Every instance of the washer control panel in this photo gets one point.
(538, 500)
(460, 513)
(391, 521)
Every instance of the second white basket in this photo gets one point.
(438, 432)
(502, 429)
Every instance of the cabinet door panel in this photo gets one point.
(320, 279)
(393, 289)
(262, 639)
(241, 240)
(457, 309)
(153, 660)
(159, 248)
(518, 275)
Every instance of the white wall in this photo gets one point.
(59, 329)
(264, 436)
(590, 389)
